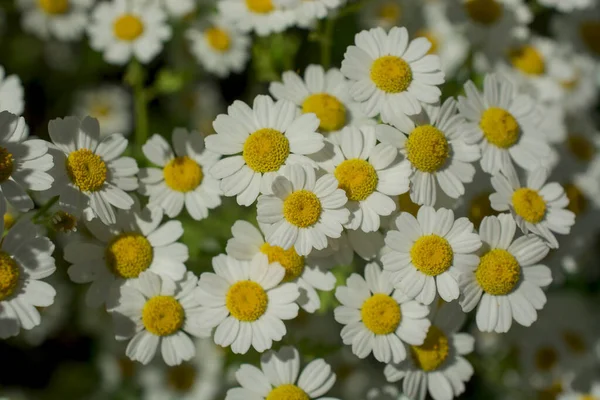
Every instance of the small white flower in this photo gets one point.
(262, 16)
(385, 392)
(578, 79)
(593, 394)
(580, 29)
(11, 93)
(178, 8)
(61, 19)
(111, 105)
(307, 13)
(389, 13)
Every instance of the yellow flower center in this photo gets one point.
(260, 6)
(163, 315)
(183, 174)
(529, 205)
(390, 12)
(128, 255)
(64, 222)
(498, 272)
(427, 148)
(128, 27)
(246, 301)
(357, 178)
(545, 358)
(181, 378)
(578, 203)
(218, 38)
(391, 74)
(9, 275)
(527, 60)
(289, 260)
(499, 127)
(9, 221)
(6, 164)
(330, 111)
(100, 110)
(589, 397)
(381, 314)
(406, 204)
(569, 84)
(590, 34)
(485, 12)
(480, 208)
(581, 147)
(287, 392)
(433, 39)
(433, 352)
(266, 150)
(54, 7)
(87, 170)
(302, 208)
(432, 255)
(575, 343)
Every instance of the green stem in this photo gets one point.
(327, 41)
(141, 120)
(44, 209)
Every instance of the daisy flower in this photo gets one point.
(504, 123)
(593, 394)
(389, 13)
(24, 164)
(378, 319)
(178, 8)
(567, 6)
(268, 136)
(279, 378)
(538, 207)
(124, 29)
(61, 19)
(89, 173)
(120, 252)
(182, 178)
(111, 105)
(262, 16)
(507, 282)
(579, 82)
(306, 13)
(11, 93)
(435, 145)
(303, 211)
(580, 29)
(391, 76)
(425, 252)
(386, 392)
(246, 302)
(438, 366)
(219, 48)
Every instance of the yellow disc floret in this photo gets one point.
(578, 203)
(289, 260)
(330, 111)
(218, 38)
(485, 12)
(183, 174)
(391, 74)
(260, 6)
(499, 127)
(128, 27)
(6, 164)
(433, 352)
(390, 12)
(9, 221)
(54, 7)
(498, 272)
(128, 255)
(181, 378)
(480, 208)
(302, 208)
(87, 170)
(529, 205)
(163, 315)
(9, 275)
(287, 392)
(581, 147)
(432, 255)
(545, 358)
(246, 301)
(357, 178)
(266, 150)
(427, 148)
(590, 35)
(381, 314)
(527, 60)
(62, 221)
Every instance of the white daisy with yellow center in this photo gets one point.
(578, 79)
(261, 16)
(391, 76)
(11, 93)
(538, 207)
(505, 124)
(439, 152)
(303, 212)
(64, 20)
(389, 13)
(247, 302)
(219, 47)
(593, 394)
(306, 13)
(120, 252)
(279, 378)
(378, 319)
(111, 105)
(426, 252)
(257, 142)
(122, 29)
(89, 173)
(580, 28)
(183, 178)
(155, 311)
(507, 282)
(178, 8)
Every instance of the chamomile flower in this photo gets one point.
(219, 48)
(123, 29)
(507, 281)
(439, 152)
(279, 378)
(89, 174)
(11, 93)
(389, 13)
(246, 302)
(262, 16)
(268, 136)
(390, 76)
(183, 178)
(155, 311)
(24, 164)
(580, 29)
(303, 211)
(593, 394)
(538, 207)
(178, 8)
(504, 123)
(386, 392)
(378, 319)
(61, 19)
(122, 251)
(307, 13)
(426, 250)
(579, 82)
(567, 6)
(111, 105)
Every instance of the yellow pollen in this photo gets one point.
(427, 148)
(574, 342)
(163, 315)
(289, 260)
(527, 60)
(590, 34)
(433, 352)
(357, 178)
(485, 12)
(406, 204)
(181, 378)
(545, 358)
(391, 74)
(499, 127)
(578, 203)
(287, 392)
(9, 221)
(433, 39)
(581, 147)
(260, 6)
(9, 275)
(330, 111)
(266, 150)
(529, 205)
(6, 164)
(432, 255)
(87, 170)
(390, 12)
(381, 314)
(54, 7)
(246, 301)
(63, 222)
(128, 27)
(183, 174)
(302, 208)
(128, 255)
(480, 208)
(218, 39)
(498, 272)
